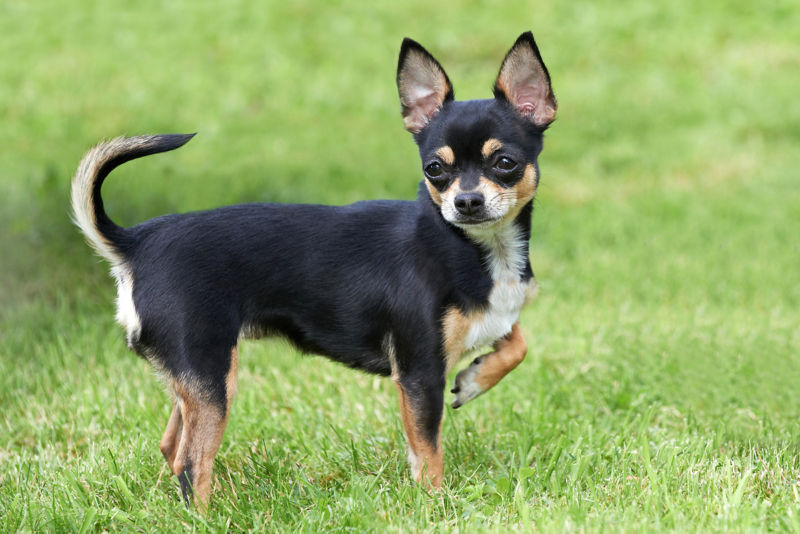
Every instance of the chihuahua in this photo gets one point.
(397, 288)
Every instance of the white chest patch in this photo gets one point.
(507, 259)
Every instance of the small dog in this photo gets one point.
(397, 288)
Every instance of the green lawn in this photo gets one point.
(660, 390)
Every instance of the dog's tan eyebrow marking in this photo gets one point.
(446, 154)
(491, 146)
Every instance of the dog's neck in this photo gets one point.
(506, 247)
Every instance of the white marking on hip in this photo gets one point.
(127, 315)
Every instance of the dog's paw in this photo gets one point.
(465, 387)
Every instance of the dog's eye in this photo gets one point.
(506, 164)
(434, 170)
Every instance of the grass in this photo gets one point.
(659, 393)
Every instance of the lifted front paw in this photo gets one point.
(465, 387)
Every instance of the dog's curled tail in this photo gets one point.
(103, 235)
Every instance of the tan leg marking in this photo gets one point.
(487, 370)
(203, 426)
(232, 378)
(490, 147)
(455, 326)
(508, 353)
(171, 438)
(425, 457)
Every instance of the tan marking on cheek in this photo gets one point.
(426, 457)
(449, 194)
(446, 154)
(526, 187)
(490, 147)
(524, 190)
(455, 326)
(508, 353)
(434, 193)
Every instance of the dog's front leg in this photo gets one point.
(421, 406)
(487, 370)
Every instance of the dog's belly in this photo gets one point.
(349, 347)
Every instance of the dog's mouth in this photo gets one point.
(476, 221)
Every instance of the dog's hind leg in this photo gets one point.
(171, 438)
(204, 417)
(487, 370)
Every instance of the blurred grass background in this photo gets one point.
(666, 241)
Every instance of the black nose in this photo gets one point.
(468, 203)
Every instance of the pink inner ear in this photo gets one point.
(527, 94)
(524, 83)
(423, 104)
(423, 87)
(422, 111)
(525, 101)
(428, 103)
(531, 99)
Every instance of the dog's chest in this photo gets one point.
(506, 300)
(507, 260)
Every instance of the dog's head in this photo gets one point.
(479, 156)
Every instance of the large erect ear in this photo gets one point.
(524, 81)
(422, 84)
